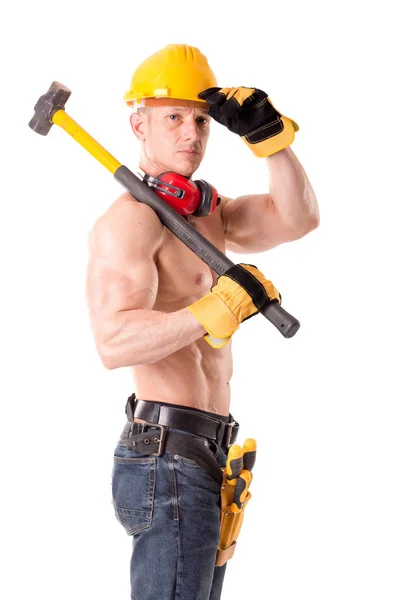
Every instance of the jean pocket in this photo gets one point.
(133, 485)
(187, 461)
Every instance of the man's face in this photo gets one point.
(174, 138)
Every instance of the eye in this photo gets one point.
(203, 120)
(173, 117)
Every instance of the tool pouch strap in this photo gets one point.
(224, 555)
(231, 523)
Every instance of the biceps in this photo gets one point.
(112, 290)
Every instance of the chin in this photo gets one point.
(188, 166)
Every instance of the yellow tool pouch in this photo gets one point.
(231, 522)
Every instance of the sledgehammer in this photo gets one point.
(49, 109)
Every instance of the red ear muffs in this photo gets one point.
(209, 199)
(187, 197)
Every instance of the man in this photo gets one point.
(159, 309)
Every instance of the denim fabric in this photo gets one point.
(171, 508)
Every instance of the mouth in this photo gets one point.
(193, 152)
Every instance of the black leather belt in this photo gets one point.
(155, 443)
(222, 432)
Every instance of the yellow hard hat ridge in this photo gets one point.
(176, 71)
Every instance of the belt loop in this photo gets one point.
(156, 412)
(234, 431)
(130, 407)
(221, 433)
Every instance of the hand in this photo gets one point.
(229, 302)
(250, 113)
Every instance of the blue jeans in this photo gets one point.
(171, 507)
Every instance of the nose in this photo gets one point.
(190, 129)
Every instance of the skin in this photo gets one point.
(141, 278)
(172, 138)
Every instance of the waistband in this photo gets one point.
(218, 428)
(156, 443)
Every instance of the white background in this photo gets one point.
(323, 406)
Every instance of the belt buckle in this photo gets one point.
(161, 438)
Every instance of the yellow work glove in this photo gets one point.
(250, 113)
(229, 302)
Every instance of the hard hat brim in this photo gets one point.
(170, 102)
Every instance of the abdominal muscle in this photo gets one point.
(193, 376)
(197, 375)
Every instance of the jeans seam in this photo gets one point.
(151, 484)
(179, 561)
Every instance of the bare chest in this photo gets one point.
(183, 276)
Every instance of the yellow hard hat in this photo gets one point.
(177, 71)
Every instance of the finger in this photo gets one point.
(209, 91)
(242, 94)
(218, 97)
(229, 92)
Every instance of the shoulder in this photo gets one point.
(127, 221)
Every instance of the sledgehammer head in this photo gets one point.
(54, 99)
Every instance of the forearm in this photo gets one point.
(143, 336)
(291, 191)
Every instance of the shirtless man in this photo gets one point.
(143, 284)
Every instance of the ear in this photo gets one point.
(138, 125)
